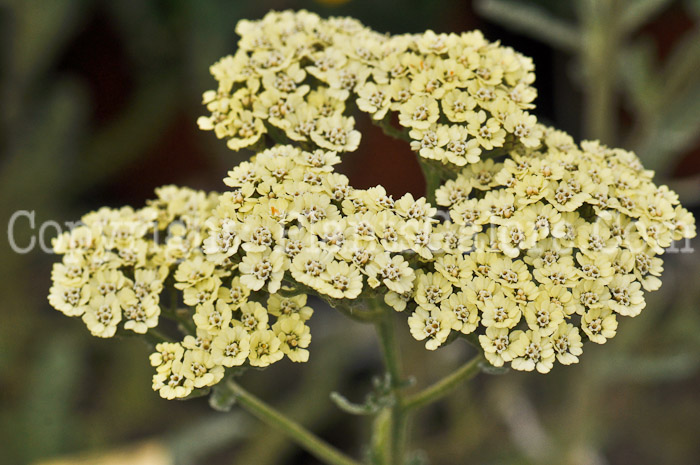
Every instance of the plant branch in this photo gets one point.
(602, 39)
(181, 316)
(305, 438)
(391, 422)
(156, 336)
(363, 316)
(354, 312)
(390, 351)
(390, 130)
(433, 179)
(444, 386)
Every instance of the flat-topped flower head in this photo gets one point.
(572, 233)
(530, 246)
(296, 84)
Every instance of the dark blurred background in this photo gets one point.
(98, 103)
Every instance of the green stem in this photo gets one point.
(363, 316)
(358, 311)
(390, 130)
(156, 336)
(390, 351)
(392, 419)
(433, 179)
(305, 438)
(444, 386)
(277, 135)
(382, 434)
(600, 51)
(179, 315)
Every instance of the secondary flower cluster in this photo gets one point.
(114, 266)
(298, 75)
(566, 239)
(290, 213)
(242, 261)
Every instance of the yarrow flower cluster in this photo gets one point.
(300, 75)
(290, 215)
(535, 245)
(566, 240)
(289, 225)
(113, 267)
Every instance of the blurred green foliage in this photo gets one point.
(98, 106)
(614, 61)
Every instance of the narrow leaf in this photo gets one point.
(222, 399)
(681, 67)
(352, 408)
(636, 68)
(489, 369)
(532, 21)
(675, 129)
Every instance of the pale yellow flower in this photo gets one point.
(265, 348)
(291, 307)
(199, 368)
(230, 347)
(626, 296)
(394, 272)
(434, 325)
(501, 346)
(500, 311)
(544, 317)
(538, 353)
(461, 304)
(102, 315)
(419, 112)
(599, 325)
(260, 269)
(567, 345)
(456, 104)
(295, 337)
